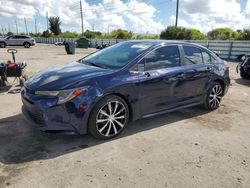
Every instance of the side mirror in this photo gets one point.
(217, 53)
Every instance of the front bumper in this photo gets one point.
(46, 115)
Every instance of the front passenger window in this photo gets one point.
(161, 58)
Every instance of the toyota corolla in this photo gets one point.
(99, 94)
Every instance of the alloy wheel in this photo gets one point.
(111, 118)
(215, 96)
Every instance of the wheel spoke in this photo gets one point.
(110, 108)
(116, 106)
(114, 127)
(104, 127)
(119, 123)
(108, 131)
(120, 117)
(101, 120)
(119, 111)
(104, 113)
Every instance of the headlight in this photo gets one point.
(63, 95)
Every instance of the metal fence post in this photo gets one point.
(230, 50)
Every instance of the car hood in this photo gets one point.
(64, 76)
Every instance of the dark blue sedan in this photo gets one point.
(102, 92)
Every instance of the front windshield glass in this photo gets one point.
(116, 56)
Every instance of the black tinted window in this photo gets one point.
(165, 57)
(192, 55)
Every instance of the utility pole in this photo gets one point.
(47, 17)
(26, 26)
(35, 26)
(93, 27)
(2, 29)
(16, 28)
(9, 27)
(177, 13)
(81, 17)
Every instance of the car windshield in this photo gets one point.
(116, 56)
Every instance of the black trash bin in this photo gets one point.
(70, 47)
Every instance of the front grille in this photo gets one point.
(36, 117)
(32, 112)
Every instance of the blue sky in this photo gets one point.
(139, 16)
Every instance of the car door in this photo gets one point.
(19, 40)
(161, 78)
(11, 40)
(198, 71)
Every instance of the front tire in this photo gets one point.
(26, 45)
(213, 96)
(109, 117)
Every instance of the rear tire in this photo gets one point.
(2, 45)
(26, 45)
(108, 118)
(213, 96)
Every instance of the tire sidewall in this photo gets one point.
(92, 129)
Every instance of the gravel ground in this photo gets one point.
(187, 148)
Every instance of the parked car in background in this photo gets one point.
(101, 93)
(17, 40)
(244, 67)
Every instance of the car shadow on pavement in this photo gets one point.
(242, 82)
(21, 143)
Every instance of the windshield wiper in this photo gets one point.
(93, 64)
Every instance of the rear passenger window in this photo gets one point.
(206, 57)
(192, 55)
(161, 58)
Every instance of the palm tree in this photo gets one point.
(54, 25)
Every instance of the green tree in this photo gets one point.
(47, 34)
(181, 33)
(222, 34)
(195, 34)
(9, 33)
(244, 35)
(92, 34)
(121, 34)
(68, 34)
(54, 25)
(141, 37)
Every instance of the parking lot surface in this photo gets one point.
(187, 148)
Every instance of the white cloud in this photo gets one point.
(248, 7)
(138, 16)
(206, 15)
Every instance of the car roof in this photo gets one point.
(21, 35)
(165, 42)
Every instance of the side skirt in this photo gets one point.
(171, 110)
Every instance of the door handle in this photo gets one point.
(180, 75)
(209, 69)
(147, 74)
